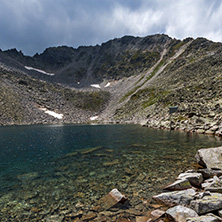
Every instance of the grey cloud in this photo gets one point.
(33, 25)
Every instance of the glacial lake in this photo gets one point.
(48, 168)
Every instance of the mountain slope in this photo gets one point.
(84, 66)
(24, 100)
(138, 79)
(192, 82)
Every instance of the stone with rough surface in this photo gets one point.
(180, 213)
(210, 158)
(213, 186)
(220, 213)
(207, 203)
(111, 199)
(181, 184)
(210, 182)
(208, 173)
(205, 218)
(176, 197)
(195, 179)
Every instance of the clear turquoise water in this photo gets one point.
(46, 162)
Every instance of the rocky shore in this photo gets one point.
(209, 124)
(195, 196)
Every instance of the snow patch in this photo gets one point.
(51, 113)
(94, 118)
(96, 86)
(39, 70)
(108, 84)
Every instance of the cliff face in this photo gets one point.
(138, 79)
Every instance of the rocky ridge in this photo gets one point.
(137, 80)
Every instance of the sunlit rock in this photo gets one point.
(180, 213)
(205, 218)
(210, 158)
(195, 179)
(176, 197)
(207, 204)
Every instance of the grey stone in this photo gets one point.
(207, 203)
(205, 218)
(195, 179)
(214, 186)
(209, 182)
(208, 173)
(182, 184)
(176, 197)
(201, 195)
(220, 213)
(210, 158)
(200, 131)
(214, 128)
(218, 132)
(180, 213)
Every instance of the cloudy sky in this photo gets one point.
(33, 25)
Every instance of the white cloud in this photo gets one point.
(179, 19)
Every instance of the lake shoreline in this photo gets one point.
(214, 130)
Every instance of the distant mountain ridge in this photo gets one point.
(87, 65)
(125, 80)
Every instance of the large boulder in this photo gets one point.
(180, 213)
(205, 218)
(210, 158)
(176, 197)
(207, 204)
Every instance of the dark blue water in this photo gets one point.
(45, 158)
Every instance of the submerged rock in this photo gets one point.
(90, 150)
(54, 218)
(112, 199)
(210, 158)
(28, 176)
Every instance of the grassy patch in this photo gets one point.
(162, 62)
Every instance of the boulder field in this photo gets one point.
(196, 195)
